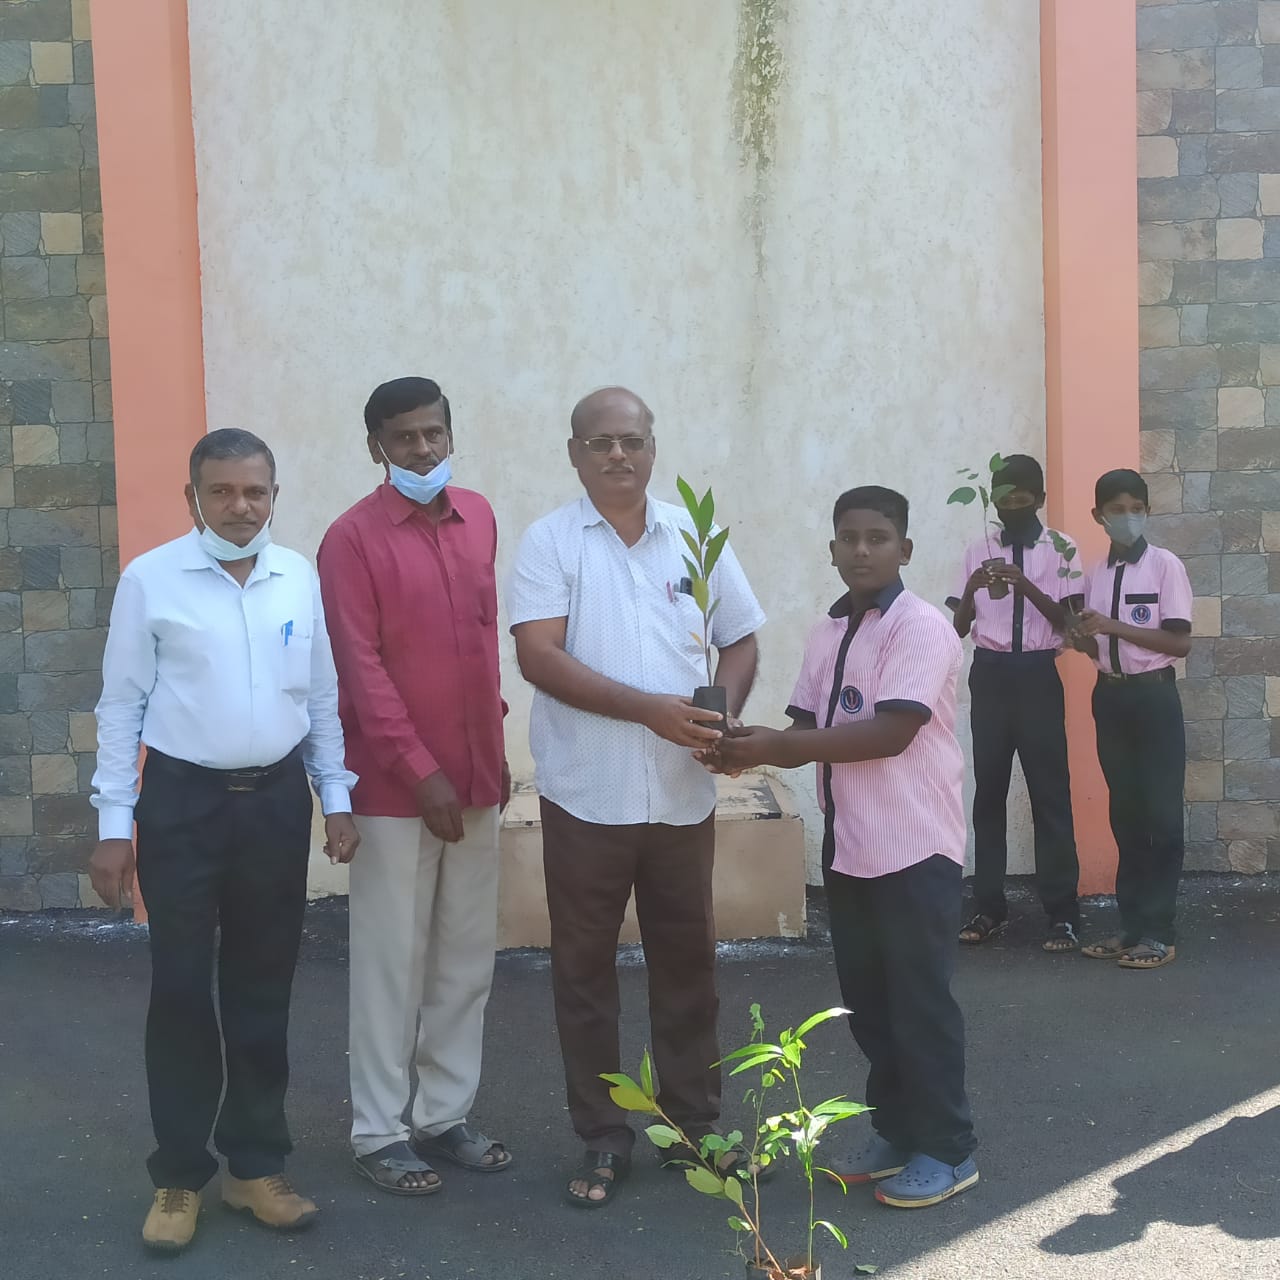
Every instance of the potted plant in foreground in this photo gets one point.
(988, 494)
(793, 1133)
(704, 550)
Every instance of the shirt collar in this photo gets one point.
(843, 608)
(591, 515)
(1028, 539)
(1130, 555)
(399, 508)
(194, 556)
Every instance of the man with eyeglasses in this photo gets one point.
(604, 631)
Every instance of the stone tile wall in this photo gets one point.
(1209, 249)
(58, 559)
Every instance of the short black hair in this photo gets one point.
(403, 395)
(1022, 472)
(229, 442)
(873, 497)
(1114, 483)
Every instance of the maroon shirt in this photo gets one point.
(412, 609)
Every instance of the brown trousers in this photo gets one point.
(590, 871)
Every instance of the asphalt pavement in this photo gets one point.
(1130, 1122)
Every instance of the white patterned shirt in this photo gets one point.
(628, 621)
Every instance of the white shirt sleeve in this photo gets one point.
(738, 614)
(323, 749)
(128, 677)
(537, 587)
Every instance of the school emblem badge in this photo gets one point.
(1141, 614)
(850, 700)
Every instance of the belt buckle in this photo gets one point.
(235, 786)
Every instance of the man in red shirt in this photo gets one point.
(407, 576)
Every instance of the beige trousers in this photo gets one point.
(424, 924)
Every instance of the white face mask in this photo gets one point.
(220, 549)
(422, 489)
(1125, 530)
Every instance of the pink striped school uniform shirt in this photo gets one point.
(1144, 586)
(884, 816)
(1014, 624)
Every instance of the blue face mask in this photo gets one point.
(422, 489)
(1125, 530)
(220, 549)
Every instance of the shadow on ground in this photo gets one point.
(1073, 1065)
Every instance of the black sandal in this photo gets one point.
(589, 1172)
(982, 927)
(1062, 937)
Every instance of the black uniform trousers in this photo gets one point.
(221, 854)
(894, 939)
(1143, 751)
(1017, 707)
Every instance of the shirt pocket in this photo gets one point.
(290, 643)
(1142, 607)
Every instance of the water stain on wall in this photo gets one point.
(757, 82)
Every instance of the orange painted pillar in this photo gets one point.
(143, 92)
(147, 149)
(1089, 105)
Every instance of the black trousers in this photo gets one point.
(1143, 751)
(213, 859)
(1017, 707)
(894, 939)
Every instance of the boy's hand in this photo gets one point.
(979, 580)
(1092, 623)
(709, 757)
(746, 748)
(1011, 574)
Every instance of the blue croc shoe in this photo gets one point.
(875, 1159)
(926, 1181)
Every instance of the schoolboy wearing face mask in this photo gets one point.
(1137, 623)
(1017, 702)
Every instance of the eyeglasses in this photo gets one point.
(604, 444)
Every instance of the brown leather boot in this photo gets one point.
(171, 1221)
(271, 1200)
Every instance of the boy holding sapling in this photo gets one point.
(1020, 587)
(874, 708)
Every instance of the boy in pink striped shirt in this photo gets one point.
(874, 709)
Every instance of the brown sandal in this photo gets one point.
(980, 929)
(1148, 954)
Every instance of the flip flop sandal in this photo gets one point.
(1108, 949)
(1062, 937)
(386, 1167)
(1148, 954)
(983, 928)
(466, 1148)
(587, 1172)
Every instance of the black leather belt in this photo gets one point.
(1164, 675)
(248, 779)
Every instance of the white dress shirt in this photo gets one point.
(628, 621)
(219, 675)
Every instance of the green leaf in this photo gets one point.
(618, 1078)
(733, 1137)
(713, 1142)
(757, 1019)
(738, 1225)
(1069, 554)
(646, 1074)
(698, 640)
(1002, 491)
(1064, 572)
(760, 1060)
(692, 543)
(865, 1269)
(715, 604)
(693, 569)
(705, 1181)
(701, 594)
(687, 497)
(706, 515)
(662, 1135)
(714, 548)
(733, 1189)
(996, 463)
(631, 1098)
(751, 1051)
(818, 1019)
(964, 495)
(984, 495)
(839, 1236)
(791, 1053)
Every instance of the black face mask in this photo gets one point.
(1019, 521)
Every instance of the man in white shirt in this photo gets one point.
(603, 630)
(218, 663)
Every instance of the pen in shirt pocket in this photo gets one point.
(287, 631)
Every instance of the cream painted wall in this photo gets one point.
(526, 201)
